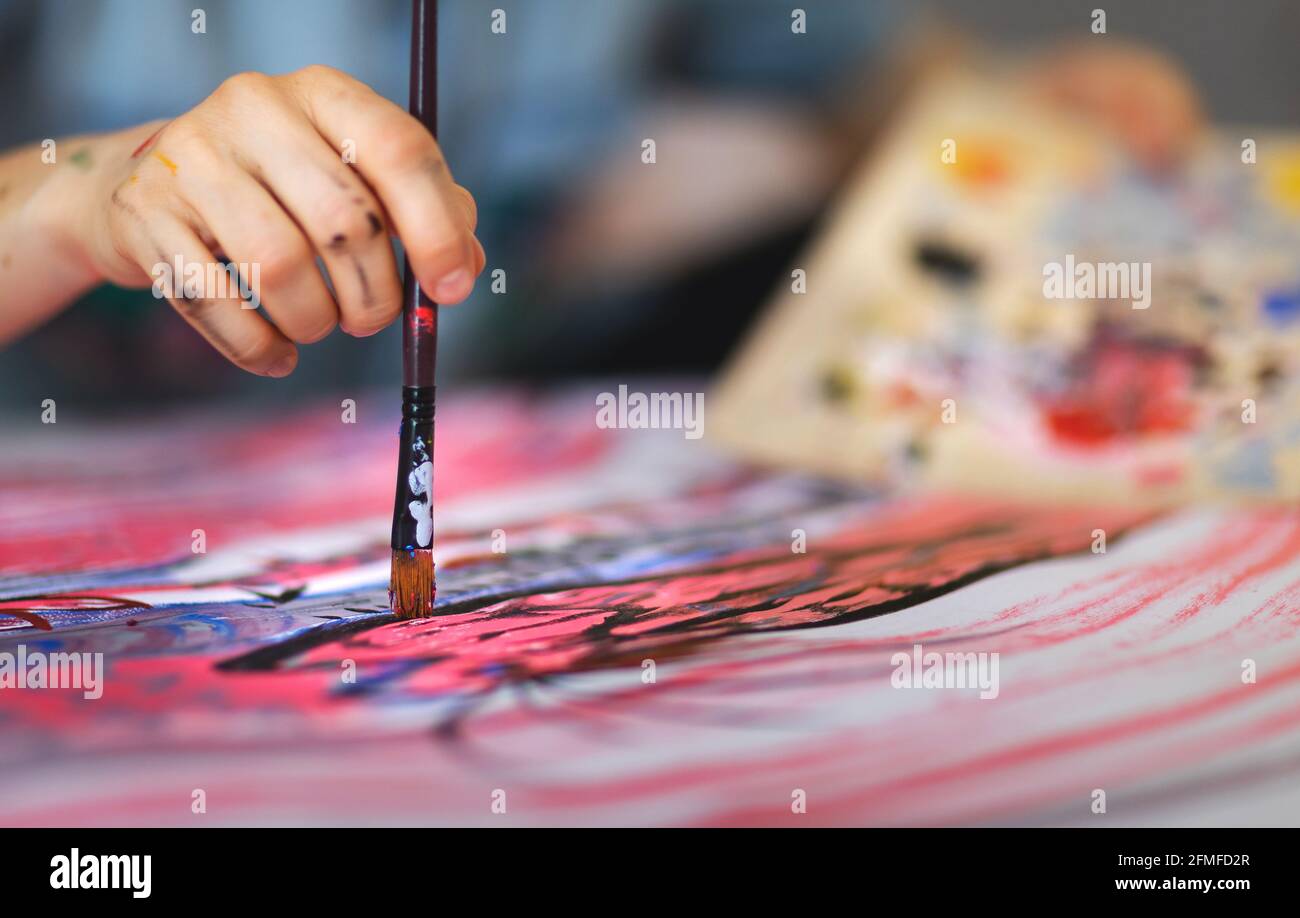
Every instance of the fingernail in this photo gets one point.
(454, 287)
(282, 367)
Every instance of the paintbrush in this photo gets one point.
(411, 586)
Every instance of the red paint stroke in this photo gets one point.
(149, 142)
(1006, 758)
(24, 608)
(30, 617)
(881, 564)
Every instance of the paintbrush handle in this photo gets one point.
(419, 313)
(413, 502)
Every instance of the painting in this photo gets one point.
(632, 628)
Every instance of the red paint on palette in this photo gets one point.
(1124, 389)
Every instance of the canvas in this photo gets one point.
(633, 628)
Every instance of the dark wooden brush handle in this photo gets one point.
(419, 313)
(419, 323)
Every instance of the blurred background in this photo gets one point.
(607, 262)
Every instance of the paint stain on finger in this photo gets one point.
(171, 166)
(199, 313)
(126, 207)
(367, 295)
(147, 144)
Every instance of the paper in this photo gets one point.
(638, 631)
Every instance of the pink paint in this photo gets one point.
(772, 668)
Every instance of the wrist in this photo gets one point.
(71, 206)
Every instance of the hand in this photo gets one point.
(1139, 94)
(256, 173)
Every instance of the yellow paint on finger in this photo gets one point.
(171, 166)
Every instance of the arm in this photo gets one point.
(42, 268)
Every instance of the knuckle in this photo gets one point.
(183, 131)
(127, 198)
(410, 145)
(284, 258)
(344, 223)
(241, 87)
(130, 212)
(190, 139)
(317, 73)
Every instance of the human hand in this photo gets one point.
(259, 174)
(1142, 96)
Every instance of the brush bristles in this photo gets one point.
(410, 589)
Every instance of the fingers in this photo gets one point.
(276, 199)
(241, 335)
(402, 163)
(340, 217)
(253, 231)
(480, 258)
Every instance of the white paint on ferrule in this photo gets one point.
(421, 484)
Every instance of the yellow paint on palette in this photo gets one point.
(981, 164)
(1284, 178)
(171, 166)
(1027, 153)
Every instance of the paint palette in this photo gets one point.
(1004, 302)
